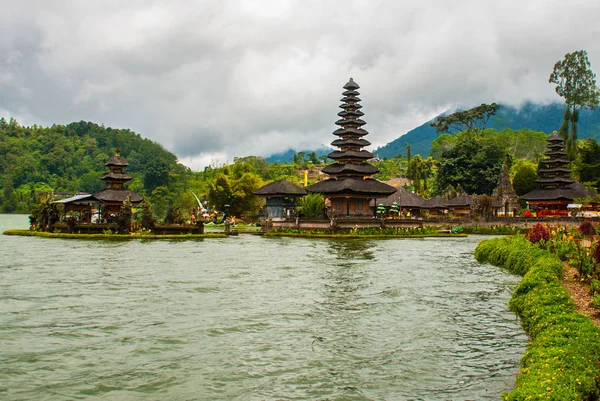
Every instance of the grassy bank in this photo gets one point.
(562, 361)
(310, 234)
(115, 237)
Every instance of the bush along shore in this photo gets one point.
(374, 232)
(113, 236)
(562, 361)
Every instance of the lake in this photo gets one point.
(253, 318)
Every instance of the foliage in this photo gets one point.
(110, 236)
(312, 206)
(473, 120)
(67, 158)
(475, 164)
(493, 230)
(587, 228)
(576, 83)
(537, 233)
(148, 220)
(381, 210)
(596, 254)
(390, 168)
(525, 174)
(233, 190)
(419, 171)
(588, 163)
(561, 362)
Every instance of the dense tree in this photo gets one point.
(472, 121)
(156, 174)
(312, 206)
(576, 83)
(588, 164)
(524, 177)
(474, 164)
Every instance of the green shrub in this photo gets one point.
(562, 361)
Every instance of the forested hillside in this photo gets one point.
(71, 158)
(532, 116)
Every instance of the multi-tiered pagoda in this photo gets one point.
(350, 187)
(113, 196)
(555, 188)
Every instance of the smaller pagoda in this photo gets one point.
(112, 197)
(555, 188)
(350, 187)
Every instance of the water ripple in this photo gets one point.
(251, 318)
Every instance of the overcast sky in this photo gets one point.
(210, 80)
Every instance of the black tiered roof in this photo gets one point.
(116, 176)
(553, 180)
(350, 174)
(555, 174)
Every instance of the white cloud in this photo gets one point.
(223, 79)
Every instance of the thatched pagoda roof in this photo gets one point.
(572, 191)
(116, 160)
(368, 187)
(403, 197)
(112, 176)
(280, 188)
(351, 141)
(434, 203)
(461, 200)
(338, 168)
(117, 195)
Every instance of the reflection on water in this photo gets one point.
(253, 318)
(352, 249)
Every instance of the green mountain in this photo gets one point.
(70, 158)
(537, 117)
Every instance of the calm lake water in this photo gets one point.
(252, 318)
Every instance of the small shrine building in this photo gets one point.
(281, 198)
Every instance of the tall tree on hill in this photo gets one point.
(576, 83)
(472, 121)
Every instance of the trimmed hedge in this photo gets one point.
(115, 237)
(355, 236)
(562, 361)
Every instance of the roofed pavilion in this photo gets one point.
(350, 187)
(281, 197)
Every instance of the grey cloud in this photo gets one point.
(243, 77)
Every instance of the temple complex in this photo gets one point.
(109, 200)
(350, 187)
(555, 188)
